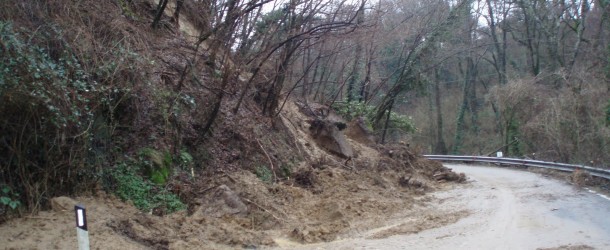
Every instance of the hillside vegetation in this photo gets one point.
(299, 119)
(98, 97)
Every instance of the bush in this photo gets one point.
(264, 174)
(127, 184)
(352, 110)
(168, 201)
(58, 111)
(9, 198)
(46, 112)
(156, 165)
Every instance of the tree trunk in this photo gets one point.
(531, 39)
(271, 102)
(500, 46)
(179, 4)
(355, 74)
(219, 96)
(387, 123)
(580, 30)
(459, 130)
(159, 13)
(407, 75)
(439, 147)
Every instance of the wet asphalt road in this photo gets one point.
(509, 209)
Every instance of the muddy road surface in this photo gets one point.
(507, 209)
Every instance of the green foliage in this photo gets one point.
(60, 84)
(9, 198)
(156, 165)
(185, 160)
(141, 181)
(286, 170)
(352, 110)
(264, 173)
(47, 100)
(168, 200)
(402, 122)
(269, 20)
(159, 176)
(129, 185)
(513, 133)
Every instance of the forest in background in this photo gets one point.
(530, 78)
(91, 88)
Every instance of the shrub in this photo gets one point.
(169, 201)
(156, 165)
(45, 116)
(58, 111)
(127, 184)
(185, 160)
(130, 186)
(9, 198)
(264, 174)
(352, 110)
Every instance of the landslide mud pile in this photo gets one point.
(343, 187)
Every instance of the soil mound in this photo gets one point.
(325, 198)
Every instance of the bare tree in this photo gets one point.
(408, 71)
(159, 13)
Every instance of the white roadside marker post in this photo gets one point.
(499, 154)
(81, 227)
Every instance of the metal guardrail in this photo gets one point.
(599, 172)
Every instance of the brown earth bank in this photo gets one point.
(303, 175)
(344, 203)
(325, 198)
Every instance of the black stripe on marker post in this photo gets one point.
(81, 217)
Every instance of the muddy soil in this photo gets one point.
(342, 204)
(381, 190)
(506, 209)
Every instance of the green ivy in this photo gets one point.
(169, 201)
(59, 84)
(9, 198)
(145, 195)
(131, 186)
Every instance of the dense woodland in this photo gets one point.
(85, 85)
(529, 78)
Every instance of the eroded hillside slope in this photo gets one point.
(128, 97)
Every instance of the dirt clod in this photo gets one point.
(63, 204)
(581, 177)
(305, 178)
